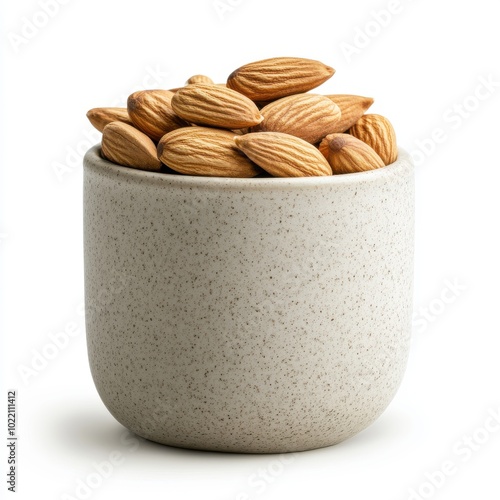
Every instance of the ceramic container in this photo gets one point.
(247, 315)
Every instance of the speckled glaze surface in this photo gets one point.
(247, 315)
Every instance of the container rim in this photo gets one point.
(94, 161)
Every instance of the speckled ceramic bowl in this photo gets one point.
(247, 315)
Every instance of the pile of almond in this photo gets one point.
(262, 121)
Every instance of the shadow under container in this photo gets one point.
(256, 315)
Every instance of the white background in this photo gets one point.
(422, 68)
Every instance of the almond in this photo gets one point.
(308, 116)
(346, 154)
(100, 117)
(283, 155)
(271, 79)
(241, 131)
(378, 132)
(175, 89)
(216, 106)
(200, 79)
(125, 145)
(352, 107)
(151, 112)
(204, 151)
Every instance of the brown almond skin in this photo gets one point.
(124, 145)
(100, 117)
(271, 79)
(200, 79)
(308, 116)
(352, 108)
(175, 89)
(215, 106)
(378, 132)
(347, 155)
(241, 131)
(283, 155)
(205, 151)
(151, 112)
